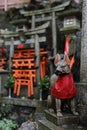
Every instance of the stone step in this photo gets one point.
(66, 119)
(47, 125)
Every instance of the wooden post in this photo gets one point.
(37, 52)
(33, 22)
(32, 27)
(54, 33)
(11, 52)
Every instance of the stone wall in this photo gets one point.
(81, 102)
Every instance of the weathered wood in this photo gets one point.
(18, 21)
(11, 52)
(33, 22)
(41, 39)
(37, 53)
(40, 29)
(61, 14)
(33, 27)
(41, 19)
(69, 30)
(54, 33)
(47, 10)
(17, 34)
(35, 32)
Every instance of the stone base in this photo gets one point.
(66, 119)
(52, 122)
(47, 125)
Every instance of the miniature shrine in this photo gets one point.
(34, 36)
(35, 32)
(31, 46)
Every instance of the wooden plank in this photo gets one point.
(9, 35)
(26, 33)
(38, 30)
(32, 40)
(42, 19)
(18, 21)
(43, 26)
(35, 32)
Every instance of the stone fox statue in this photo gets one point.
(63, 87)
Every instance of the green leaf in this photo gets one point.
(10, 82)
(43, 83)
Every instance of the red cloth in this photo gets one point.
(64, 87)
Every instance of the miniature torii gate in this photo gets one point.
(33, 32)
(48, 14)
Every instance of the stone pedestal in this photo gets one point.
(52, 122)
(66, 119)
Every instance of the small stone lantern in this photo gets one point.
(71, 21)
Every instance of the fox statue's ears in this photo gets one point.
(67, 60)
(57, 58)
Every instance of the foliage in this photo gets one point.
(44, 83)
(5, 109)
(10, 82)
(7, 124)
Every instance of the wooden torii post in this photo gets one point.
(11, 52)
